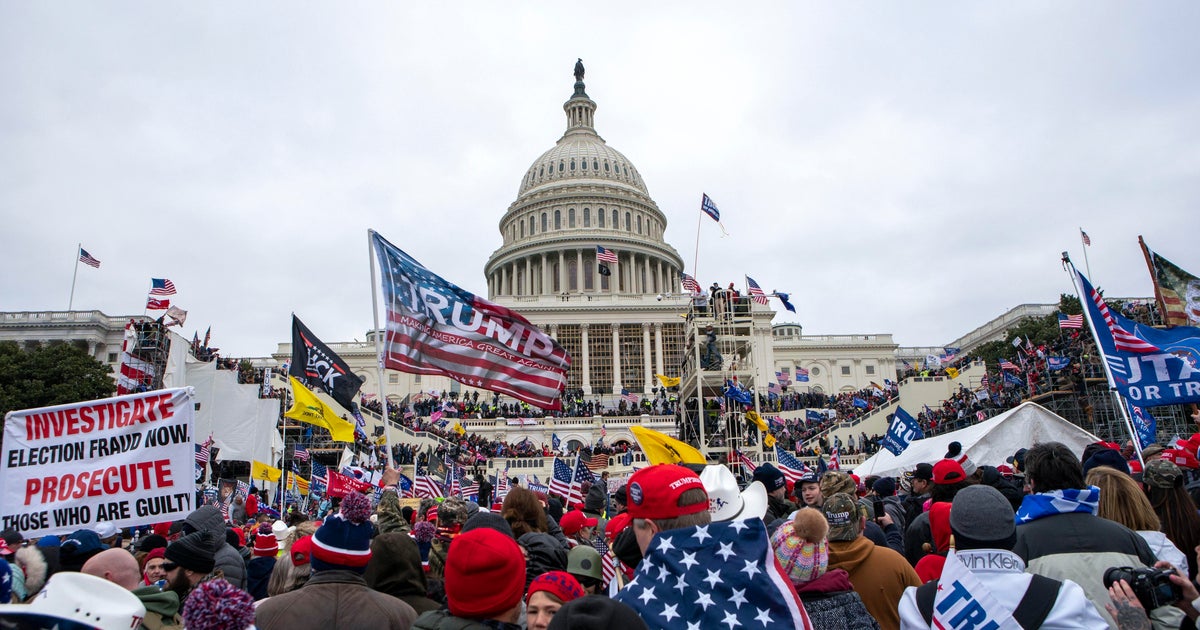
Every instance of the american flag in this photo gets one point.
(501, 485)
(791, 467)
(709, 208)
(405, 486)
(774, 388)
(204, 452)
(470, 489)
(598, 461)
(835, 462)
(628, 397)
(319, 473)
(1122, 339)
(1070, 321)
(801, 374)
(1087, 240)
(560, 483)
(746, 462)
(756, 292)
(300, 453)
(607, 562)
(161, 286)
(985, 382)
(582, 474)
(689, 283)
(717, 575)
(1005, 364)
(606, 255)
(426, 487)
(502, 351)
(88, 259)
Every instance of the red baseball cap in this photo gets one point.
(616, 524)
(574, 521)
(948, 471)
(654, 492)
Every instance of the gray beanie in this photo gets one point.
(980, 517)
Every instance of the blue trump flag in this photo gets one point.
(903, 430)
(813, 415)
(1150, 367)
(860, 403)
(1013, 379)
(1144, 423)
(1055, 364)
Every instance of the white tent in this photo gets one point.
(988, 442)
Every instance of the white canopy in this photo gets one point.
(986, 443)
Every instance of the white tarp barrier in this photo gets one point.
(986, 443)
(241, 424)
(128, 460)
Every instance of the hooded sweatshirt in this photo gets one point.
(879, 575)
(395, 569)
(545, 554)
(162, 608)
(207, 518)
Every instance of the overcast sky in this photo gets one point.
(904, 168)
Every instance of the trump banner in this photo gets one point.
(903, 430)
(127, 460)
(434, 327)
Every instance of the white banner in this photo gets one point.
(128, 460)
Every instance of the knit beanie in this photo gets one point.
(265, 543)
(981, 518)
(218, 605)
(485, 574)
(596, 612)
(343, 541)
(1106, 457)
(802, 551)
(149, 543)
(956, 453)
(769, 476)
(193, 552)
(560, 584)
(884, 487)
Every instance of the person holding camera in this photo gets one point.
(1060, 536)
(1129, 602)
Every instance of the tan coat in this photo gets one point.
(333, 600)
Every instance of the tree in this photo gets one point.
(52, 374)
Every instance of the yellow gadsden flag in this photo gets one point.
(259, 470)
(757, 420)
(458, 428)
(952, 372)
(308, 408)
(667, 381)
(664, 449)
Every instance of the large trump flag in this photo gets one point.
(434, 327)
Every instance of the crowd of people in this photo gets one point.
(1032, 540)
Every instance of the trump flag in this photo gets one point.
(435, 327)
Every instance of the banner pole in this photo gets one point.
(1123, 409)
(387, 420)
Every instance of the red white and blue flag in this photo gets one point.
(720, 575)
(709, 208)
(560, 482)
(756, 292)
(791, 466)
(746, 462)
(606, 255)
(300, 453)
(1005, 364)
(88, 259)
(435, 327)
(426, 486)
(835, 461)
(161, 286)
(1070, 321)
(689, 283)
(628, 397)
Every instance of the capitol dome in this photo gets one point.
(578, 195)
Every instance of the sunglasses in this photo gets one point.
(170, 566)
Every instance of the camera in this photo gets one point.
(1153, 587)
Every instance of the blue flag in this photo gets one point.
(1144, 423)
(554, 441)
(1013, 379)
(1055, 364)
(860, 403)
(812, 415)
(1150, 367)
(903, 430)
(783, 297)
(738, 394)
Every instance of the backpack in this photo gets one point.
(1031, 611)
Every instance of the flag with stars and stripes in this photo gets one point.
(720, 575)
(161, 286)
(689, 283)
(560, 482)
(632, 399)
(835, 460)
(746, 462)
(756, 292)
(319, 472)
(465, 337)
(300, 453)
(404, 486)
(1005, 364)
(88, 259)
(426, 486)
(606, 255)
(790, 465)
(608, 564)
(204, 452)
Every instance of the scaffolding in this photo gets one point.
(149, 346)
(719, 350)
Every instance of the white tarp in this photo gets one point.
(127, 460)
(986, 443)
(241, 424)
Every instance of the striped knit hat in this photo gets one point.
(265, 543)
(344, 540)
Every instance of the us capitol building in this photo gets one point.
(621, 328)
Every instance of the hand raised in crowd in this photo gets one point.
(884, 520)
(390, 477)
(1125, 608)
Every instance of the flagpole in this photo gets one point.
(1158, 298)
(695, 259)
(79, 248)
(1088, 266)
(387, 420)
(1112, 385)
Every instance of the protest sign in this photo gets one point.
(127, 460)
(340, 485)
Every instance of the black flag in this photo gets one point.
(603, 270)
(318, 366)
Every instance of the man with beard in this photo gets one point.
(190, 561)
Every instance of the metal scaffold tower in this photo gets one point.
(720, 350)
